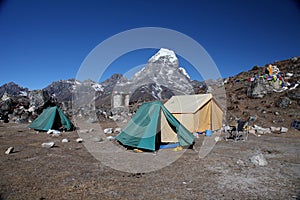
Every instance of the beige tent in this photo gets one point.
(196, 112)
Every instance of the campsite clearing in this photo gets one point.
(69, 171)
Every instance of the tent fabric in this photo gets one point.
(217, 117)
(150, 124)
(187, 103)
(196, 112)
(51, 118)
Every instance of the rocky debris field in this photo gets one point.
(266, 167)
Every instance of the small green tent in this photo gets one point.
(51, 118)
(152, 125)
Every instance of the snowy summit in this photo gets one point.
(165, 54)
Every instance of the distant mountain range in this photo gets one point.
(160, 79)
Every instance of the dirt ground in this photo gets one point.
(69, 171)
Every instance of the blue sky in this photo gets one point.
(45, 41)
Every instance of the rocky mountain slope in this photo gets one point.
(13, 89)
(251, 94)
(160, 79)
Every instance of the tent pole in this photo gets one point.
(210, 121)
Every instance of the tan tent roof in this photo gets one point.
(196, 112)
(187, 103)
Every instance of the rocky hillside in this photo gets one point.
(63, 90)
(159, 80)
(252, 93)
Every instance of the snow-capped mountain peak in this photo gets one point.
(166, 55)
(161, 76)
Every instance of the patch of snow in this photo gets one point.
(183, 71)
(97, 87)
(154, 95)
(77, 82)
(165, 53)
(23, 94)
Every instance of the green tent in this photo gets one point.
(51, 118)
(153, 125)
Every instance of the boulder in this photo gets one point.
(79, 140)
(65, 140)
(48, 145)
(6, 105)
(117, 130)
(261, 130)
(110, 138)
(283, 102)
(9, 150)
(276, 113)
(257, 89)
(108, 130)
(259, 160)
(275, 129)
(284, 130)
(39, 98)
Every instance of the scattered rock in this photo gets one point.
(118, 130)
(65, 140)
(284, 130)
(283, 102)
(54, 132)
(261, 130)
(275, 129)
(48, 144)
(259, 160)
(276, 113)
(9, 150)
(108, 130)
(110, 138)
(217, 138)
(79, 140)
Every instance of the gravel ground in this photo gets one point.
(69, 171)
